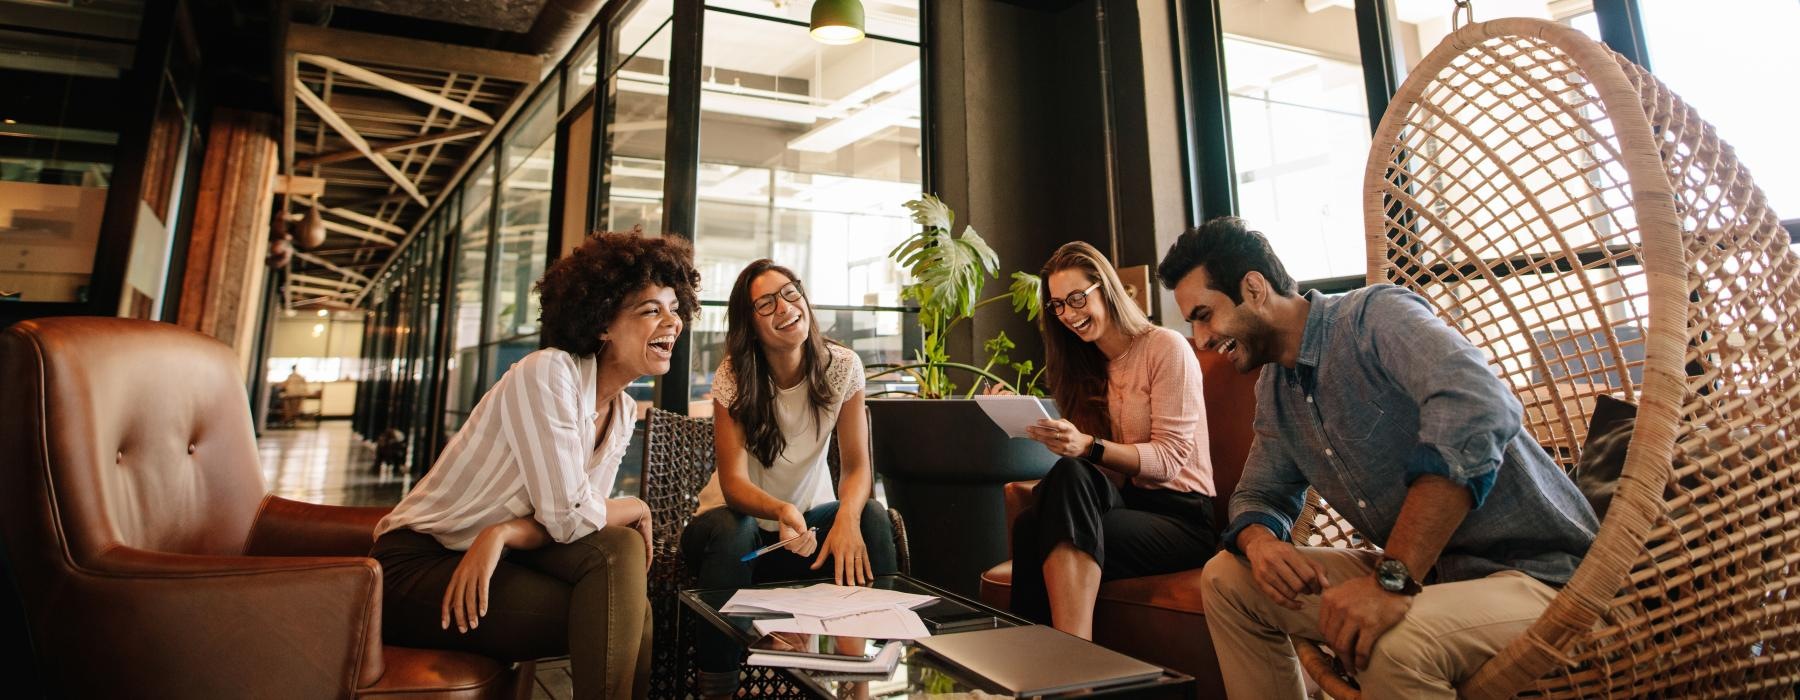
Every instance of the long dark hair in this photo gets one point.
(1075, 368)
(754, 406)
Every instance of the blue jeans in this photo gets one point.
(713, 545)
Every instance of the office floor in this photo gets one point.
(326, 463)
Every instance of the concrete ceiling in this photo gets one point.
(504, 15)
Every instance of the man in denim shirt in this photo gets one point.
(1402, 426)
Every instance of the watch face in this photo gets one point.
(1391, 574)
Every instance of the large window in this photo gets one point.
(1725, 59)
(522, 247)
(636, 119)
(1299, 130)
(59, 131)
(464, 366)
(807, 154)
(1420, 26)
(524, 222)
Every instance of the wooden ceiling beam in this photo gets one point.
(353, 216)
(303, 289)
(327, 264)
(323, 282)
(395, 86)
(393, 146)
(337, 123)
(379, 49)
(355, 232)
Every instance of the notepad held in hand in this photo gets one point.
(1013, 413)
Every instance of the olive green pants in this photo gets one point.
(585, 599)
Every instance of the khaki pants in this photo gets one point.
(1450, 631)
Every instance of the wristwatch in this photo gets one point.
(1393, 577)
(1095, 451)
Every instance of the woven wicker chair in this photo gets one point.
(678, 461)
(1574, 219)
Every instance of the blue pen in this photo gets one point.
(778, 545)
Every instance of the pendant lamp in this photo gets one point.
(837, 22)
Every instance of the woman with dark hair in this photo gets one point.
(1132, 494)
(781, 392)
(509, 547)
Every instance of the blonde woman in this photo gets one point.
(1133, 492)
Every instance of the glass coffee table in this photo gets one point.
(919, 673)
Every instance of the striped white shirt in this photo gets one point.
(528, 450)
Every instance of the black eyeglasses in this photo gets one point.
(765, 304)
(1074, 300)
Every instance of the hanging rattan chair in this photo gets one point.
(1575, 220)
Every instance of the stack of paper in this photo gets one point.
(884, 662)
(849, 611)
(892, 622)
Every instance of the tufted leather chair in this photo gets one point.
(150, 560)
(1162, 618)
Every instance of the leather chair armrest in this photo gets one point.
(285, 528)
(1018, 496)
(222, 626)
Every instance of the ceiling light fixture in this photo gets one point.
(837, 22)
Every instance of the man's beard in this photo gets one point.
(1253, 345)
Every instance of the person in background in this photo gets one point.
(1403, 427)
(510, 547)
(293, 395)
(781, 393)
(1132, 494)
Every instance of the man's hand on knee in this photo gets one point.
(1280, 570)
(1354, 614)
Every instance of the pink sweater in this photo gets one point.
(1153, 393)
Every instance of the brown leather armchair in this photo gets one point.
(1161, 619)
(150, 560)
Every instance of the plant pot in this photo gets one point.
(942, 464)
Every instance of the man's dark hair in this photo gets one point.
(1228, 251)
(583, 291)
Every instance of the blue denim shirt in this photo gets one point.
(1384, 392)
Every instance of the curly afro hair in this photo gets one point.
(584, 291)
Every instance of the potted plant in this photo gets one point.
(949, 273)
(950, 490)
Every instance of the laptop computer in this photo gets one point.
(1037, 660)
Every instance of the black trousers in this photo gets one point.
(1130, 531)
(585, 598)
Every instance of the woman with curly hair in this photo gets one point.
(528, 477)
(780, 394)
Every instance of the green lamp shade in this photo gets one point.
(837, 21)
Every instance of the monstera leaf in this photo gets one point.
(950, 271)
(1027, 294)
(931, 212)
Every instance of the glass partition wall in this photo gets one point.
(806, 155)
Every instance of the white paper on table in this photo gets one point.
(753, 600)
(822, 600)
(893, 622)
(1012, 413)
(884, 662)
(866, 598)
